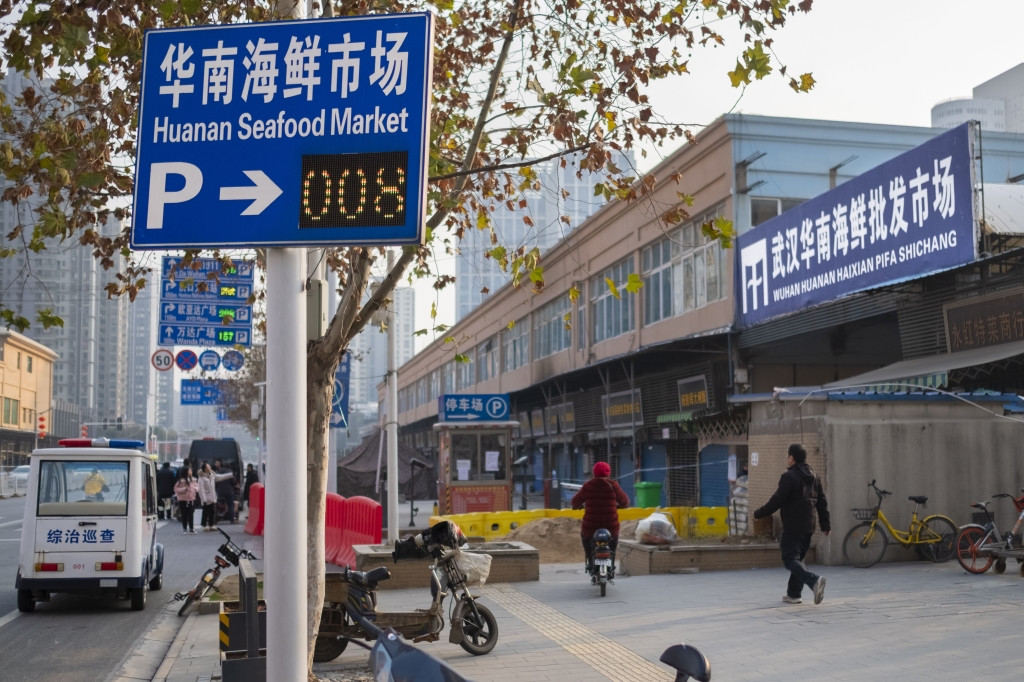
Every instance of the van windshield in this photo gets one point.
(88, 487)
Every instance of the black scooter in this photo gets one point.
(602, 560)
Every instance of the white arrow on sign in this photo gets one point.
(262, 194)
(452, 417)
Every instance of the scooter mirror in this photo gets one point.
(394, 660)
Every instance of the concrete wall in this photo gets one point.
(952, 451)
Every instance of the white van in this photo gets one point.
(90, 523)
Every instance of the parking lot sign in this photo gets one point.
(292, 133)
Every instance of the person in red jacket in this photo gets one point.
(600, 498)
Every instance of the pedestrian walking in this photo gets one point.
(798, 496)
(164, 490)
(208, 495)
(186, 488)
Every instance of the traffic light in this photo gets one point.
(85, 431)
(120, 423)
(42, 426)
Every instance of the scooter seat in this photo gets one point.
(368, 579)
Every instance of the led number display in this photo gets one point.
(354, 190)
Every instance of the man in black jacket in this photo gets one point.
(226, 493)
(164, 490)
(798, 496)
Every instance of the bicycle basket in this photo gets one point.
(865, 513)
(231, 552)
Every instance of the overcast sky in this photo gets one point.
(875, 61)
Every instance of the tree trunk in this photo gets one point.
(319, 389)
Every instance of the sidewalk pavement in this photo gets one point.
(908, 621)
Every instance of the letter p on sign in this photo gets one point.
(160, 195)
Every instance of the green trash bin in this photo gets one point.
(648, 494)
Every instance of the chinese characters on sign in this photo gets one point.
(284, 133)
(473, 408)
(986, 321)
(214, 315)
(74, 536)
(693, 392)
(908, 217)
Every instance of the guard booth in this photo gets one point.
(474, 453)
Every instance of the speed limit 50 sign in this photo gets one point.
(163, 359)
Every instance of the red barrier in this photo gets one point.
(254, 524)
(361, 525)
(332, 526)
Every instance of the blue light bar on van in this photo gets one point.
(122, 444)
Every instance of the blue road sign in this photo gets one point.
(204, 335)
(209, 360)
(233, 360)
(294, 133)
(214, 317)
(186, 360)
(339, 403)
(200, 392)
(234, 292)
(205, 313)
(473, 408)
(208, 269)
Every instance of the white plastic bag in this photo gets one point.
(656, 529)
(476, 566)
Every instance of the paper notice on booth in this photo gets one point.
(491, 460)
(462, 467)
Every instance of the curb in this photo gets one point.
(175, 649)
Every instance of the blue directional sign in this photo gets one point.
(206, 313)
(216, 316)
(200, 392)
(234, 292)
(207, 269)
(473, 408)
(293, 133)
(203, 335)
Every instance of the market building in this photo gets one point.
(859, 246)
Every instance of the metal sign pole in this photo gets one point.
(285, 532)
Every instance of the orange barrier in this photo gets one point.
(360, 525)
(254, 524)
(332, 526)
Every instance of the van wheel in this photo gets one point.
(139, 597)
(157, 582)
(26, 604)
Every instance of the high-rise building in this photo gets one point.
(998, 104)
(563, 202)
(91, 371)
(370, 349)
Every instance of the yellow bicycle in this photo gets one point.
(934, 536)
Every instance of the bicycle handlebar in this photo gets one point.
(879, 492)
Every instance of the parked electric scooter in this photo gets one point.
(473, 626)
(602, 559)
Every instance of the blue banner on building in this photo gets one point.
(909, 217)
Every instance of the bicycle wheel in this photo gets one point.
(865, 545)
(969, 552)
(195, 595)
(936, 540)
